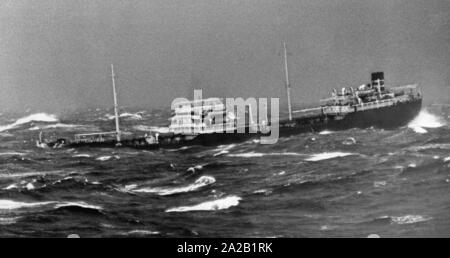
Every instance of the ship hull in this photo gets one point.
(385, 117)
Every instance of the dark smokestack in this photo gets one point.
(378, 76)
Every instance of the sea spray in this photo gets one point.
(425, 120)
(38, 117)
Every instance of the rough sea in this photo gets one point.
(393, 183)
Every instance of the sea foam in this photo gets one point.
(54, 126)
(219, 204)
(327, 155)
(425, 120)
(326, 132)
(199, 183)
(12, 205)
(258, 154)
(409, 219)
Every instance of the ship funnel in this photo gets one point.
(378, 79)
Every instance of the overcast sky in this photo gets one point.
(56, 54)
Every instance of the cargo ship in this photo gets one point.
(192, 123)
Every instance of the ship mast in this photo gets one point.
(288, 86)
(116, 106)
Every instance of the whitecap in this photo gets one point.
(11, 186)
(418, 129)
(8, 220)
(130, 187)
(199, 183)
(192, 169)
(327, 155)
(156, 129)
(38, 117)
(262, 191)
(425, 120)
(104, 158)
(409, 219)
(224, 149)
(12, 205)
(219, 204)
(77, 204)
(247, 155)
(12, 153)
(349, 141)
(29, 186)
(258, 155)
(444, 146)
(326, 132)
(327, 227)
(29, 174)
(379, 184)
(141, 232)
(447, 159)
(54, 126)
(81, 156)
(135, 116)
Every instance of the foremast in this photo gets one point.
(288, 85)
(116, 105)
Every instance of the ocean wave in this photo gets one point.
(8, 220)
(219, 204)
(38, 117)
(82, 205)
(327, 155)
(54, 126)
(258, 155)
(193, 169)
(13, 205)
(263, 191)
(12, 153)
(326, 132)
(11, 186)
(81, 156)
(447, 159)
(16, 205)
(425, 120)
(223, 149)
(199, 183)
(378, 184)
(140, 232)
(146, 128)
(22, 185)
(443, 146)
(35, 173)
(134, 116)
(409, 219)
(106, 158)
(349, 141)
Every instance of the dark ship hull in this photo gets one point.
(384, 117)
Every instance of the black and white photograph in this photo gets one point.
(237, 119)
